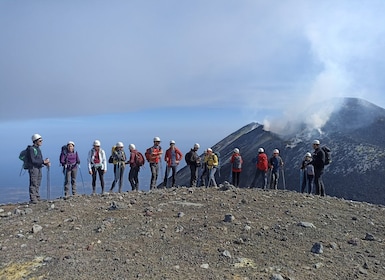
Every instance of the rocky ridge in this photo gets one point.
(193, 233)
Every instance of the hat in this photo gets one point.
(131, 147)
(209, 150)
(35, 137)
(236, 150)
(261, 150)
(119, 145)
(97, 143)
(172, 142)
(316, 142)
(71, 143)
(156, 139)
(196, 146)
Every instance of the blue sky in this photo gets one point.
(193, 71)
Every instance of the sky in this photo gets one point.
(191, 71)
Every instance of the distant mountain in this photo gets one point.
(355, 132)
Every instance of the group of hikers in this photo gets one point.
(202, 169)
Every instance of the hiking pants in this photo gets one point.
(101, 178)
(318, 183)
(118, 176)
(154, 174)
(70, 178)
(133, 178)
(212, 172)
(235, 176)
(173, 168)
(35, 176)
(274, 179)
(194, 175)
(263, 182)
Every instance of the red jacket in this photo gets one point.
(168, 158)
(262, 163)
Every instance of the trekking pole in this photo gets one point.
(48, 184)
(283, 179)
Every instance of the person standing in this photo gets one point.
(275, 164)
(211, 161)
(36, 162)
(308, 174)
(236, 167)
(97, 164)
(69, 159)
(172, 157)
(134, 168)
(194, 162)
(319, 164)
(261, 170)
(118, 157)
(153, 156)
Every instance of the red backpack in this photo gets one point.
(139, 159)
(262, 163)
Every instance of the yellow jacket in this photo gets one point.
(211, 160)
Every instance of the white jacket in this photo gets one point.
(91, 157)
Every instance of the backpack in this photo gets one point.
(237, 162)
(64, 151)
(328, 156)
(24, 156)
(111, 158)
(187, 158)
(139, 159)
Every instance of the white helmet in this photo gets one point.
(316, 142)
(209, 150)
(276, 151)
(71, 143)
(119, 145)
(97, 143)
(308, 154)
(196, 146)
(236, 150)
(261, 150)
(156, 139)
(35, 137)
(172, 142)
(131, 147)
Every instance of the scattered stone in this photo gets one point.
(229, 218)
(226, 253)
(36, 228)
(354, 241)
(318, 265)
(180, 214)
(369, 237)
(277, 277)
(205, 265)
(306, 225)
(317, 248)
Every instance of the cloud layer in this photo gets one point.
(83, 58)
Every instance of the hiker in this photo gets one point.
(319, 164)
(211, 161)
(308, 174)
(275, 164)
(36, 162)
(118, 158)
(204, 172)
(153, 156)
(261, 170)
(97, 164)
(69, 159)
(194, 162)
(236, 167)
(134, 168)
(172, 157)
